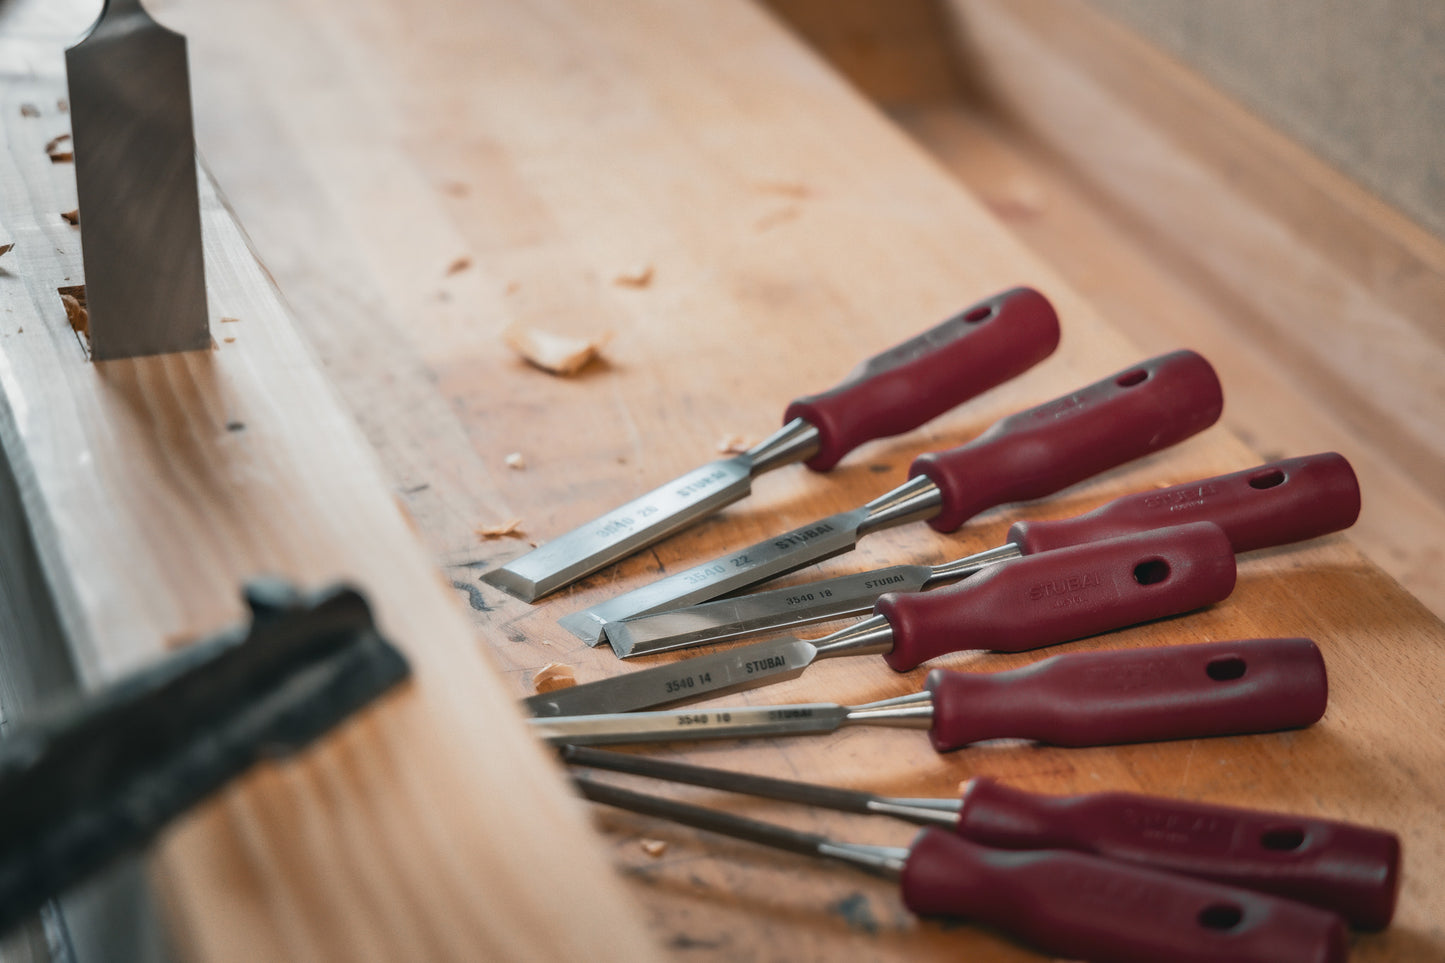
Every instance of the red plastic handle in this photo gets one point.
(1275, 504)
(1060, 596)
(1036, 452)
(1135, 695)
(1341, 867)
(918, 380)
(1083, 907)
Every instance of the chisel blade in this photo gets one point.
(691, 724)
(779, 555)
(703, 676)
(135, 177)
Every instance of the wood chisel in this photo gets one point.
(1263, 507)
(1077, 699)
(1063, 903)
(1337, 866)
(1028, 603)
(1029, 454)
(888, 394)
(135, 177)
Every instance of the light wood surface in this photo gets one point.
(429, 827)
(791, 229)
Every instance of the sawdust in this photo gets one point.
(553, 676)
(58, 149)
(636, 277)
(734, 444)
(515, 461)
(71, 217)
(653, 847)
(508, 529)
(29, 110)
(554, 353)
(459, 265)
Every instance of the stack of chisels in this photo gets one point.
(1012, 861)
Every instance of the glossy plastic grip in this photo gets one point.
(1082, 907)
(1341, 867)
(914, 382)
(1054, 597)
(1037, 452)
(1135, 695)
(1274, 504)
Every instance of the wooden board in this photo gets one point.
(791, 229)
(430, 826)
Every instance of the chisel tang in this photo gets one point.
(1082, 907)
(1135, 695)
(1037, 452)
(1345, 868)
(1071, 593)
(910, 384)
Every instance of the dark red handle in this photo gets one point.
(1083, 907)
(1135, 695)
(1036, 452)
(1060, 596)
(918, 380)
(1275, 504)
(1341, 867)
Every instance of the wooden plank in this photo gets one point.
(429, 827)
(791, 229)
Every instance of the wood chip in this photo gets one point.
(556, 353)
(6, 248)
(230, 320)
(515, 461)
(654, 847)
(734, 444)
(554, 675)
(71, 217)
(229, 340)
(459, 265)
(29, 110)
(508, 529)
(76, 314)
(59, 149)
(638, 277)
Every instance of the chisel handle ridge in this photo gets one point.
(1135, 695)
(1060, 596)
(1083, 907)
(1345, 868)
(979, 348)
(1034, 453)
(1278, 503)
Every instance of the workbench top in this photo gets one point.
(418, 178)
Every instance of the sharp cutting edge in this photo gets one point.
(1027, 455)
(896, 391)
(1274, 504)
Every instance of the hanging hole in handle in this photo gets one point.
(1131, 378)
(1151, 571)
(981, 313)
(1270, 479)
(1221, 916)
(1226, 669)
(1282, 839)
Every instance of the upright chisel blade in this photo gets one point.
(135, 176)
(890, 393)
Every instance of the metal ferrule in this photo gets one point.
(872, 636)
(798, 440)
(884, 861)
(962, 568)
(923, 812)
(914, 500)
(908, 712)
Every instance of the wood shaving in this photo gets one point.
(556, 353)
(6, 248)
(554, 675)
(230, 320)
(515, 461)
(29, 110)
(72, 216)
(76, 314)
(654, 847)
(59, 149)
(229, 340)
(734, 444)
(638, 277)
(459, 265)
(508, 529)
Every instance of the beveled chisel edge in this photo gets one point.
(513, 584)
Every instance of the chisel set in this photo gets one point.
(1221, 883)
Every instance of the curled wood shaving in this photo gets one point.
(72, 216)
(76, 314)
(554, 675)
(556, 353)
(515, 461)
(59, 149)
(459, 265)
(654, 847)
(29, 110)
(508, 529)
(636, 277)
(734, 444)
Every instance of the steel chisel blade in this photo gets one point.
(624, 727)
